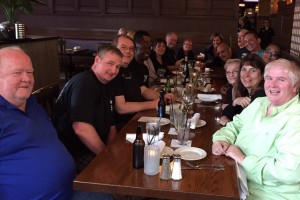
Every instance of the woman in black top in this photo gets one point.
(156, 56)
(249, 85)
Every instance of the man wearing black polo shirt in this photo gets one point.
(84, 115)
(131, 94)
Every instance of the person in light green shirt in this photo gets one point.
(265, 138)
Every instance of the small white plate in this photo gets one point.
(209, 97)
(163, 121)
(166, 150)
(191, 153)
(200, 123)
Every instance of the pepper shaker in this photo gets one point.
(176, 173)
(165, 169)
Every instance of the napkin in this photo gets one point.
(194, 120)
(130, 137)
(172, 131)
(209, 97)
(242, 178)
(175, 144)
(161, 145)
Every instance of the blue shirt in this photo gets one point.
(34, 164)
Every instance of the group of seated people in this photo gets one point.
(94, 106)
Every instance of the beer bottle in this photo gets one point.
(161, 107)
(168, 85)
(186, 70)
(138, 148)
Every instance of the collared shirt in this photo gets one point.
(271, 146)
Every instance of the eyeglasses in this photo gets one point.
(228, 73)
(271, 53)
(125, 48)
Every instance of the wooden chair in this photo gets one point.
(47, 96)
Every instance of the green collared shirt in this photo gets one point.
(271, 145)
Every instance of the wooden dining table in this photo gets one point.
(112, 172)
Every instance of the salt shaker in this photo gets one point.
(165, 173)
(176, 173)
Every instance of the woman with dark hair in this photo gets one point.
(249, 85)
(211, 58)
(156, 56)
(271, 53)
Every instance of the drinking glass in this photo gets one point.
(183, 132)
(201, 82)
(180, 115)
(188, 95)
(152, 129)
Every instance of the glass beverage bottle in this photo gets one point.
(161, 107)
(138, 148)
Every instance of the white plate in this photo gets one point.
(166, 150)
(200, 123)
(209, 97)
(190, 153)
(163, 121)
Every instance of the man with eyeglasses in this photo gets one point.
(131, 94)
(186, 50)
(84, 114)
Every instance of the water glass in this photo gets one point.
(183, 132)
(151, 159)
(152, 129)
(180, 115)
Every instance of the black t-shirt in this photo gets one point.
(127, 84)
(83, 99)
(180, 54)
(142, 71)
(169, 57)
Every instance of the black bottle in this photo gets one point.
(186, 70)
(138, 148)
(161, 107)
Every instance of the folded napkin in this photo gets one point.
(242, 178)
(175, 144)
(161, 145)
(130, 137)
(172, 131)
(209, 97)
(194, 120)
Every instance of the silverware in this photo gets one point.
(213, 167)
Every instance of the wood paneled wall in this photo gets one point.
(100, 19)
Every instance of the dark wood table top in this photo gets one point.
(111, 171)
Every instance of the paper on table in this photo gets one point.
(130, 137)
(243, 187)
(175, 144)
(194, 120)
(172, 131)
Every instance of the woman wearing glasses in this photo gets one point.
(272, 52)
